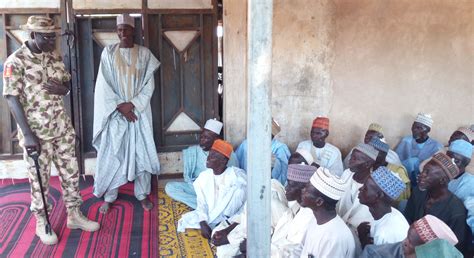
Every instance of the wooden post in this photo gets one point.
(259, 54)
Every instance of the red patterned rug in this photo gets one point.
(127, 230)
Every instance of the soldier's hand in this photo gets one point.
(125, 107)
(32, 144)
(55, 87)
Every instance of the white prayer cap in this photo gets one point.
(330, 185)
(125, 19)
(275, 127)
(306, 155)
(214, 126)
(425, 119)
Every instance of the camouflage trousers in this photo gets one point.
(62, 153)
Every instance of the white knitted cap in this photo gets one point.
(330, 185)
(213, 125)
(425, 119)
(125, 19)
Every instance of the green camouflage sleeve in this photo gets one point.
(13, 83)
(59, 66)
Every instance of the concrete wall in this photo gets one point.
(366, 61)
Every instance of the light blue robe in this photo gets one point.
(194, 161)
(463, 188)
(412, 154)
(125, 150)
(281, 155)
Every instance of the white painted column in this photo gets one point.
(259, 28)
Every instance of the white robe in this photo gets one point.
(279, 206)
(352, 211)
(219, 197)
(328, 156)
(332, 239)
(290, 231)
(391, 228)
(124, 150)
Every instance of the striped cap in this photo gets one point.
(368, 150)
(447, 164)
(430, 228)
(389, 182)
(468, 132)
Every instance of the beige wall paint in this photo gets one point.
(235, 66)
(397, 58)
(359, 62)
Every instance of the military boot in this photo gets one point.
(47, 239)
(76, 220)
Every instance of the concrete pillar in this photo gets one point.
(259, 28)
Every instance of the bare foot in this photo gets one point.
(104, 208)
(146, 204)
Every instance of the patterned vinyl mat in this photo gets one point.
(172, 243)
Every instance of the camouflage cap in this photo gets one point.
(39, 24)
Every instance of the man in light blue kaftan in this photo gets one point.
(123, 129)
(463, 186)
(416, 148)
(194, 161)
(280, 156)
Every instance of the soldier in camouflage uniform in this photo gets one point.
(34, 83)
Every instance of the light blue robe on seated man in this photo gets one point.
(280, 156)
(412, 154)
(194, 160)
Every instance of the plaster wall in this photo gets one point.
(360, 62)
(397, 58)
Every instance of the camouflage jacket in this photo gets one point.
(23, 76)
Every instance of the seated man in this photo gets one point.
(378, 192)
(220, 190)
(327, 234)
(400, 170)
(437, 248)
(467, 134)
(463, 185)
(417, 147)
(433, 197)
(194, 160)
(349, 207)
(280, 155)
(422, 231)
(324, 153)
(290, 229)
(376, 131)
(229, 238)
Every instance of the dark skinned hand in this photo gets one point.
(205, 230)
(131, 117)
(32, 144)
(220, 237)
(363, 230)
(125, 107)
(243, 246)
(55, 87)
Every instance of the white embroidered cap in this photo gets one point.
(125, 19)
(213, 125)
(330, 185)
(425, 119)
